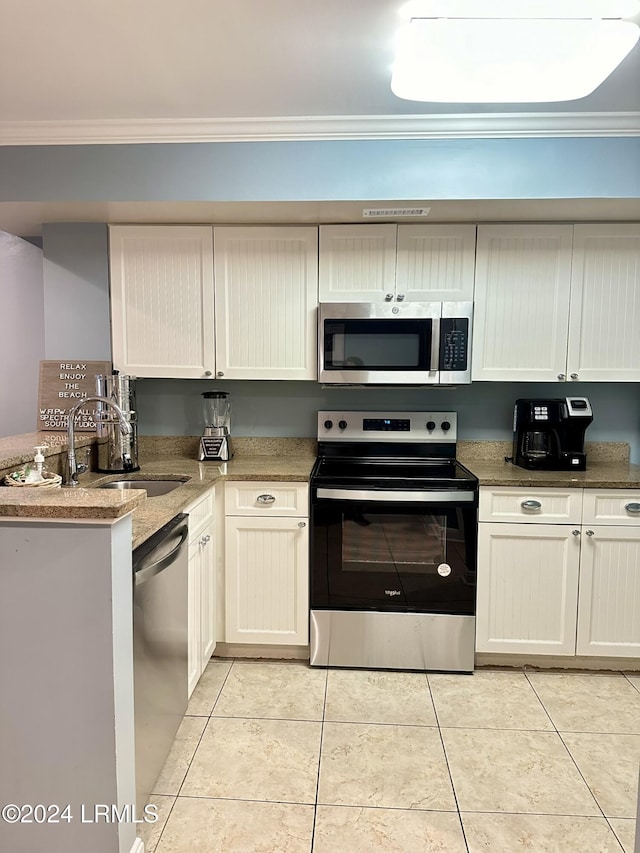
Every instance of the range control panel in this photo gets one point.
(387, 426)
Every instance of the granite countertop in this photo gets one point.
(288, 460)
(277, 460)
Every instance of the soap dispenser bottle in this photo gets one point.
(36, 472)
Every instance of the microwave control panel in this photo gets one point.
(454, 340)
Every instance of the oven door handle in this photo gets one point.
(405, 497)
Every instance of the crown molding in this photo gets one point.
(266, 129)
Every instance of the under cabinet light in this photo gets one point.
(518, 60)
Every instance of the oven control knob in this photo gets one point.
(445, 425)
(328, 424)
(342, 424)
(431, 425)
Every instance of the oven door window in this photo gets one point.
(377, 344)
(394, 558)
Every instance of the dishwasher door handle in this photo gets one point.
(163, 563)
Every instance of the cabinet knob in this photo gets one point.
(302, 524)
(633, 508)
(388, 297)
(400, 297)
(220, 373)
(589, 532)
(208, 373)
(265, 499)
(561, 377)
(576, 532)
(531, 505)
(575, 376)
(205, 539)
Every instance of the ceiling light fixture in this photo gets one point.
(550, 50)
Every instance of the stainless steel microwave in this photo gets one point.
(378, 343)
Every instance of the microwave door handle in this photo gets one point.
(435, 344)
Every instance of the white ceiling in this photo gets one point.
(86, 71)
(223, 63)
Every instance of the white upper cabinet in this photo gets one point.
(604, 341)
(357, 263)
(521, 311)
(410, 263)
(162, 300)
(436, 262)
(266, 297)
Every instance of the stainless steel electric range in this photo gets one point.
(393, 543)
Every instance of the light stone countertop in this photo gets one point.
(276, 460)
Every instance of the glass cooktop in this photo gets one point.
(391, 473)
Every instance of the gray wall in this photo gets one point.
(333, 169)
(485, 409)
(76, 291)
(22, 335)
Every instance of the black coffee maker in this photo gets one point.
(548, 435)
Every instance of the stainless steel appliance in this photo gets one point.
(393, 543)
(412, 343)
(549, 434)
(215, 444)
(117, 450)
(160, 574)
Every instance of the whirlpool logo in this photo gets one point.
(392, 592)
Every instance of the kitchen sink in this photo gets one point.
(153, 488)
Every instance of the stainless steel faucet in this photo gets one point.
(76, 468)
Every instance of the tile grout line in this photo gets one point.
(315, 805)
(555, 728)
(176, 796)
(446, 758)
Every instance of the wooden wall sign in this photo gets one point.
(62, 385)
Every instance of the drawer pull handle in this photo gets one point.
(633, 508)
(576, 532)
(265, 499)
(302, 524)
(531, 505)
(589, 532)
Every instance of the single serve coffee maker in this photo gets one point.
(548, 435)
(215, 443)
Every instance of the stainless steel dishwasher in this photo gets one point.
(160, 577)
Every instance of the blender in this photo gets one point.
(214, 444)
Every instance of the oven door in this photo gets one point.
(394, 551)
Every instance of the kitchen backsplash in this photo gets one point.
(288, 409)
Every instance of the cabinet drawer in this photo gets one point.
(200, 513)
(612, 506)
(535, 506)
(263, 498)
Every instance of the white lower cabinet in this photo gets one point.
(527, 588)
(559, 589)
(609, 599)
(267, 564)
(202, 588)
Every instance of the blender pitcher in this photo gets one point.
(215, 443)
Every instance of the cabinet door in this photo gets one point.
(357, 263)
(162, 300)
(194, 653)
(267, 580)
(605, 304)
(436, 262)
(527, 588)
(207, 594)
(609, 601)
(266, 299)
(521, 310)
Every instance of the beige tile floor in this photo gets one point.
(284, 758)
